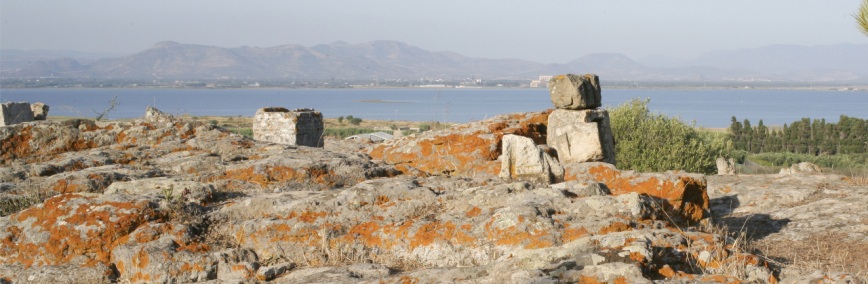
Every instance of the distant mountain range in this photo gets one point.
(396, 60)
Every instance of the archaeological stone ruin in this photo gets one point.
(578, 129)
(302, 127)
(20, 112)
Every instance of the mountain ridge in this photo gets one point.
(384, 59)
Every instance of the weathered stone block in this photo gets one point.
(522, 159)
(725, 166)
(575, 92)
(15, 112)
(40, 111)
(302, 127)
(581, 136)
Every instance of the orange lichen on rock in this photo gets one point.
(473, 212)
(77, 225)
(269, 175)
(572, 234)
(464, 150)
(683, 195)
(614, 228)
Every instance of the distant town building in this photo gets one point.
(542, 82)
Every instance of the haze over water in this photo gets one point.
(708, 108)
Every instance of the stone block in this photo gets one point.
(581, 136)
(40, 111)
(575, 92)
(522, 159)
(303, 127)
(725, 167)
(15, 112)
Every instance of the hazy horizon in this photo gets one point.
(553, 32)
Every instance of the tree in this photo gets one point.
(862, 17)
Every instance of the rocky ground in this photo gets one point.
(161, 199)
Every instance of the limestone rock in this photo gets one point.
(153, 115)
(802, 168)
(69, 226)
(575, 92)
(466, 150)
(581, 136)
(186, 190)
(725, 166)
(683, 195)
(522, 159)
(40, 110)
(15, 112)
(302, 127)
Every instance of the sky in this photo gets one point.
(555, 31)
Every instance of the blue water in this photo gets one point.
(708, 108)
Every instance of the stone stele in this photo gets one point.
(303, 127)
(575, 92)
(581, 136)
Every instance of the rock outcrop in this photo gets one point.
(166, 200)
(303, 127)
(467, 150)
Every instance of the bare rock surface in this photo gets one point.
(163, 200)
(797, 220)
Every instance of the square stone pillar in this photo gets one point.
(303, 127)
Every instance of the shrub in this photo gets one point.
(650, 142)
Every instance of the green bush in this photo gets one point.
(650, 142)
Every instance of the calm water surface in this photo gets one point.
(708, 108)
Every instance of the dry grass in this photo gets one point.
(830, 251)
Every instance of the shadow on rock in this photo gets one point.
(755, 226)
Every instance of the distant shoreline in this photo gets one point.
(842, 88)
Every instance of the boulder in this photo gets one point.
(153, 115)
(465, 150)
(575, 92)
(581, 136)
(725, 166)
(15, 112)
(522, 159)
(684, 196)
(303, 127)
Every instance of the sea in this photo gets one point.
(709, 108)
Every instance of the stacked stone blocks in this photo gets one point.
(301, 127)
(578, 129)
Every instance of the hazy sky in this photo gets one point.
(543, 31)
